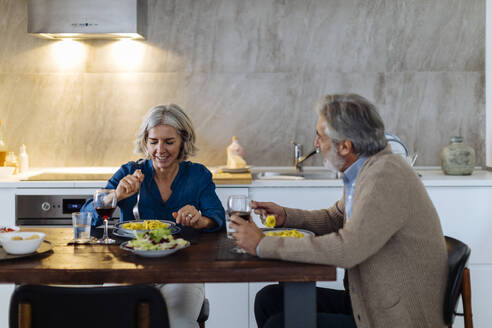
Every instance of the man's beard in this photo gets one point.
(333, 161)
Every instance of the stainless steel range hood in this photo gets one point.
(87, 19)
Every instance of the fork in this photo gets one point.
(136, 214)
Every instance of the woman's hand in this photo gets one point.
(247, 234)
(268, 208)
(189, 216)
(129, 185)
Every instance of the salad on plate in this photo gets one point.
(155, 243)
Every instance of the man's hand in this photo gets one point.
(247, 234)
(268, 208)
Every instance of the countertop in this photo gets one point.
(431, 176)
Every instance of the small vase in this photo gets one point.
(457, 158)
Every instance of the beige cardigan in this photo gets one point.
(392, 246)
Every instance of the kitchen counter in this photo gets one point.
(431, 176)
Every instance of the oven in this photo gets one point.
(49, 210)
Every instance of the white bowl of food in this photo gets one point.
(17, 243)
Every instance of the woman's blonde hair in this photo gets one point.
(171, 115)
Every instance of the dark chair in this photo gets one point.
(139, 306)
(458, 282)
(204, 312)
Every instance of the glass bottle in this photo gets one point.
(23, 159)
(457, 158)
(11, 160)
(235, 154)
(3, 146)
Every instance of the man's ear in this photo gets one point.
(345, 147)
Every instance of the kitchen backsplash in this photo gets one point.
(248, 68)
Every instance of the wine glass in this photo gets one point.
(239, 205)
(105, 203)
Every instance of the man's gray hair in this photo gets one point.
(353, 117)
(171, 115)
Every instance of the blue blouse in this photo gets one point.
(192, 185)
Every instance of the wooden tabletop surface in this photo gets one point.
(96, 264)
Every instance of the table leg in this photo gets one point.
(300, 304)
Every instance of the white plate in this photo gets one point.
(131, 233)
(226, 169)
(119, 233)
(159, 253)
(305, 232)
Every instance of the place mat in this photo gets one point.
(224, 253)
(190, 234)
(45, 247)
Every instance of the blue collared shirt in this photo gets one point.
(193, 185)
(349, 177)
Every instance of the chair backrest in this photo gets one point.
(204, 312)
(84, 307)
(458, 254)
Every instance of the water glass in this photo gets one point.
(81, 226)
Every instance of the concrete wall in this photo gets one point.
(250, 68)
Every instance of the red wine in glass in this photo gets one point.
(105, 203)
(105, 212)
(242, 214)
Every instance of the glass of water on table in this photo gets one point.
(239, 205)
(81, 227)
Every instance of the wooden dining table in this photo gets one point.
(97, 264)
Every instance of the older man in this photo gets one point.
(384, 230)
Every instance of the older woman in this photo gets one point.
(170, 188)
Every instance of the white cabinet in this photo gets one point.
(228, 305)
(6, 291)
(308, 198)
(466, 214)
(481, 286)
(7, 201)
(224, 192)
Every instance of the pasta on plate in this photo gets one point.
(285, 233)
(145, 225)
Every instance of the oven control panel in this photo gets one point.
(49, 209)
